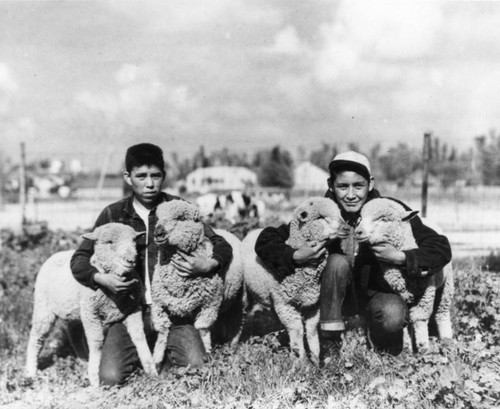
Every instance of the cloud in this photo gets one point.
(188, 15)
(137, 89)
(288, 42)
(366, 39)
(8, 87)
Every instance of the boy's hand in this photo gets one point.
(310, 253)
(193, 265)
(388, 254)
(114, 283)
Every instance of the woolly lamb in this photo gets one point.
(179, 229)
(295, 299)
(59, 295)
(386, 221)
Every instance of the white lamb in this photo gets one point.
(295, 299)
(386, 221)
(179, 228)
(59, 295)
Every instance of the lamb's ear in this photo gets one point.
(139, 234)
(409, 215)
(92, 236)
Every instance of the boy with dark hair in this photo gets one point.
(145, 174)
(350, 270)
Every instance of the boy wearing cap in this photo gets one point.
(145, 174)
(350, 270)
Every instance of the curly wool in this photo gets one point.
(386, 221)
(296, 298)
(179, 229)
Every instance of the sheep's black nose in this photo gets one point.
(160, 233)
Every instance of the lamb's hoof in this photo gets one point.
(423, 349)
(447, 346)
(315, 360)
(27, 381)
(300, 363)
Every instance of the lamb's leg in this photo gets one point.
(94, 331)
(443, 310)
(41, 325)
(292, 320)
(161, 323)
(311, 324)
(204, 321)
(244, 309)
(397, 282)
(135, 328)
(407, 339)
(420, 315)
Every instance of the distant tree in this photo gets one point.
(399, 163)
(323, 156)
(488, 158)
(224, 157)
(275, 168)
(200, 159)
(446, 165)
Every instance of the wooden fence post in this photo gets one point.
(22, 185)
(425, 173)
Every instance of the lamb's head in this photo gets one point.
(316, 219)
(178, 225)
(115, 249)
(384, 221)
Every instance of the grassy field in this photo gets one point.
(258, 373)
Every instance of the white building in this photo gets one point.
(215, 178)
(310, 177)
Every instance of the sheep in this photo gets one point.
(229, 322)
(386, 221)
(295, 299)
(57, 294)
(175, 296)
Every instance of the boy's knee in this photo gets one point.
(185, 346)
(113, 375)
(337, 268)
(389, 313)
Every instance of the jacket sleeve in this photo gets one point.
(433, 251)
(222, 252)
(81, 268)
(274, 252)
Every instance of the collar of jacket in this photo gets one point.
(128, 205)
(372, 194)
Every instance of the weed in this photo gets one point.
(259, 373)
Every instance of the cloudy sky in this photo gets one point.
(85, 79)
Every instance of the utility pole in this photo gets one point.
(426, 156)
(22, 185)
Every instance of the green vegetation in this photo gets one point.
(259, 373)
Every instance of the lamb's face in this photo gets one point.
(178, 223)
(115, 247)
(319, 219)
(382, 221)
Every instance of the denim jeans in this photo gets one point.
(119, 355)
(386, 313)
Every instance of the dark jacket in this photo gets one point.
(432, 254)
(123, 211)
